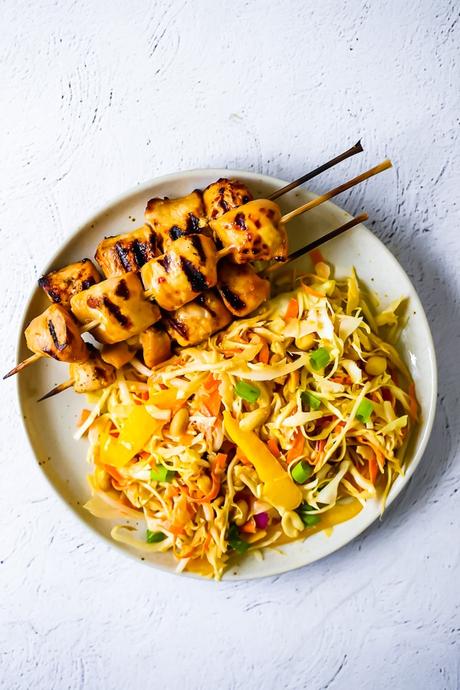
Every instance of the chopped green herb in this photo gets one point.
(319, 358)
(160, 473)
(364, 411)
(307, 515)
(247, 391)
(311, 400)
(234, 540)
(301, 472)
(154, 537)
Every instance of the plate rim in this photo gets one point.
(425, 431)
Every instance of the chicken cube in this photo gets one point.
(64, 283)
(93, 374)
(254, 231)
(199, 319)
(156, 346)
(56, 334)
(173, 218)
(185, 270)
(223, 195)
(119, 305)
(125, 253)
(241, 289)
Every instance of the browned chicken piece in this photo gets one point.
(93, 374)
(173, 218)
(64, 283)
(185, 270)
(119, 305)
(118, 354)
(254, 230)
(56, 334)
(124, 253)
(223, 195)
(199, 319)
(156, 346)
(241, 288)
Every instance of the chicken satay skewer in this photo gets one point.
(227, 231)
(295, 255)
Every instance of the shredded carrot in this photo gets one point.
(319, 447)
(316, 256)
(84, 414)
(186, 439)
(207, 541)
(297, 447)
(264, 354)
(249, 527)
(413, 405)
(341, 378)
(144, 455)
(373, 470)
(379, 456)
(213, 402)
(292, 310)
(273, 447)
(210, 382)
(114, 473)
(310, 291)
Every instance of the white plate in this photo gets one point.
(51, 424)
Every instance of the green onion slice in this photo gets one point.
(154, 537)
(364, 411)
(319, 358)
(160, 473)
(301, 472)
(247, 391)
(311, 400)
(234, 540)
(307, 515)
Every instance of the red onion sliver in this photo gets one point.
(261, 520)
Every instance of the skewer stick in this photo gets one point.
(22, 365)
(337, 190)
(57, 389)
(357, 148)
(90, 325)
(321, 240)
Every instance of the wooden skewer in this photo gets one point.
(337, 190)
(22, 365)
(57, 389)
(295, 255)
(321, 240)
(357, 148)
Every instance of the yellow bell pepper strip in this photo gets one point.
(279, 488)
(134, 434)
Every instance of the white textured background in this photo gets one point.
(97, 96)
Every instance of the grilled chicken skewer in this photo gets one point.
(253, 231)
(168, 219)
(241, 290)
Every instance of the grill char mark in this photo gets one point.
(165, 261)
(193, 223)
(198, 246)
(123, 255)
(122, 289)
(175, 232)
(196, 279)
(116, 312)
(140, 252)
(59, 346)
(232, 298)
(178, 326)
(240, 221)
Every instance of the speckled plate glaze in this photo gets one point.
(51, 424)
